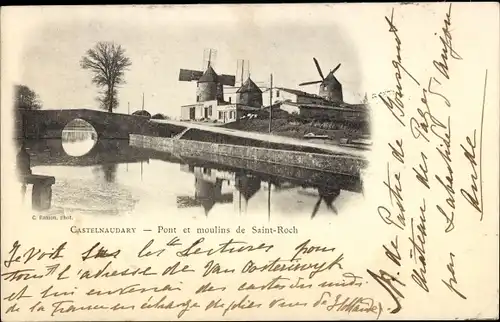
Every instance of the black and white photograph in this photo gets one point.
(238, 162)
(203, 116)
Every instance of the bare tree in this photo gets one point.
(108, 63)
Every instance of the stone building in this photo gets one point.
(248, 100)
(331, 89)
(249, 94)
(281, 94)
(208, 88)
(345, 112)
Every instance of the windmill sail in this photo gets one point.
(228, 80)
(188, 75)
(310, 83)
(335, 69)
(242, 70)
(319, 68)
(320, 74)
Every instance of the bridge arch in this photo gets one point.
(78, 137)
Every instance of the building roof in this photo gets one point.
(249, 86)
(298, 93)
(330, 78)
(342, 106)
(239, 106)
(142, 113)
(208, 76)
(221, 104)
(357, 106)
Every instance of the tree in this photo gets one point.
(108, 63)
(160, 116)
(26, 98)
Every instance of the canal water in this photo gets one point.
(110, 177)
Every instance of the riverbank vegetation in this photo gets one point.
(297, 127)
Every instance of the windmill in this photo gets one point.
(209, 84)
(247, 186)
(246, 91)
(328, 196)
(330, 88)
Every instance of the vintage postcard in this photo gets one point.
(250, 162)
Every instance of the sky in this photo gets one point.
(160, 40)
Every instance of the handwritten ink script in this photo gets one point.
(260, 276)
(421, 166)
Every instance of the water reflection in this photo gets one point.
(104, 152)
(246, 185)
(328, 196)
(209, 183)
(121, 177)
(78, 137)
(107, 171)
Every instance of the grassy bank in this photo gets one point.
(296, 128)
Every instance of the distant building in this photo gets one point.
(199, 111)
(310, 105)
(248, 100)
(209, 85)
(342, 112)
(249, 94)
(331, 89)
(142, 113)
(223, 112)
(232, 112)
(281, 94)
(208, 88)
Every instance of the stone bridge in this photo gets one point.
(49, 124)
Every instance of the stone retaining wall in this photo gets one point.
(340, 164)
